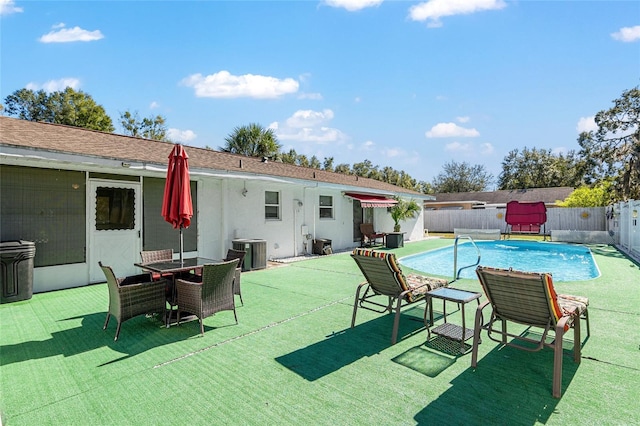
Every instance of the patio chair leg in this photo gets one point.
(476, 337)
(577, 344)
(117, 331)
(201, 327)
(396, 323)
(586, 317)
(104, 327)
(557, 362)
(355, 305)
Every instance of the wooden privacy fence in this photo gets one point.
(559, 218)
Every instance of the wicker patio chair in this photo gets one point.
(529, 299)
(132, 296)
(369, 236)
(236, 254)
(385, 278)
(204, 295)
(150, 256)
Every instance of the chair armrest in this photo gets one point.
(188, 292)
(135, 279)
(148, 286)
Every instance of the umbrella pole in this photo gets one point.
(181, 246)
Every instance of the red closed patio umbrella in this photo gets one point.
(177, 208)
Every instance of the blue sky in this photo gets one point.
(407, 84)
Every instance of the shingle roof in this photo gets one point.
(548, 195)
(74, 140)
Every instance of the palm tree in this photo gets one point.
(253, 141)
(403, 210)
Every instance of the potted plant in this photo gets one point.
(403, 210)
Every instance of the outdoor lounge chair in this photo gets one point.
(204, 295)
(236, 254)
(529, 299)
(369, 236)
(385, 278)
(132, 296)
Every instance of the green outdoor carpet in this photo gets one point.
(293, 359)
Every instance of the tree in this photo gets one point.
(614, 149)
(149, 128)
(539, 168)
(403, 210)
(462, 177)
(253, 141)
(343, 168)
(586, 196)
(289, 157)
(327, 164)
(67, 107)
(364, 169)
(314, 163)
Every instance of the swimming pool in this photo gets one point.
(566, 262)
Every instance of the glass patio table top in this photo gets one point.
(172, 266)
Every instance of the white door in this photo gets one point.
(115, 221)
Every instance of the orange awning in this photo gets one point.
(368, 200)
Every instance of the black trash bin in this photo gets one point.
(16, 270)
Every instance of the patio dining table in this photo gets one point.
(175, 268)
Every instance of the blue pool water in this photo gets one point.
(565, 261)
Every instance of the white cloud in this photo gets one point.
(154, 105)
(178, 135)
(627, 34)
(7, 7)
(486, 148)
(451, 130)
(55, 85)
(67, 35)
(319, 135)
(368, 145)
(312, 96)
(353, 5)
(393, 152)
(309, 118)
(432, 10)
(457, 147)
(470, 150)
(224, 85)
(462, 119)
(586, 124)
(308, 126)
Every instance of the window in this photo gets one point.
(115, 208)
(326, 207)
(48, 207)
(271, 205)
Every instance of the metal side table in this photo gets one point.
(451, 331)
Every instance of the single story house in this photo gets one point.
(496, 199)
(84, 196)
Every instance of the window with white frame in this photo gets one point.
(326, 207)
(271, 205)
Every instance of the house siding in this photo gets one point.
(223, 212)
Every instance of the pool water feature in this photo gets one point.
(566, 262)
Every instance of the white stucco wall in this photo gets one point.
(225, 214)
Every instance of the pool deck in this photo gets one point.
(293, 359)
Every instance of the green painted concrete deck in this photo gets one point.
(294, 360)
